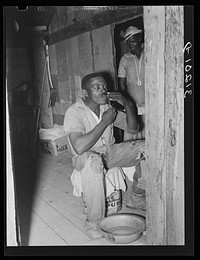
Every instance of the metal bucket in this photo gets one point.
(122, 228)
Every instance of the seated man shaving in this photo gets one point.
(89, 126)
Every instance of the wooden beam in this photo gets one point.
(154, 27)
(164, 104)
(97, 21)
(174, 124)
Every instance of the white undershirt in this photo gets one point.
(98, 119)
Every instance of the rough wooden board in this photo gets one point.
(65, 93)
(174, 125)
(50, 193)
(103, 241)
(154, 25)
(55, 211)
(85, 54)
(70, 70)
(99, 20)
(53, 59)
(62, 224)
(61, 61)
(57, 109)
(103, 54)
(164, 120)
(76, 68)
(58, 195)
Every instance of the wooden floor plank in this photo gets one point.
(61, 225)
(38, 233)
(54, 203)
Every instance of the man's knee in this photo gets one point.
(96, 163)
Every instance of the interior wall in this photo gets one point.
(73, 58)
(65, 16)
(18, 70)
(18, 66)
(90, 49)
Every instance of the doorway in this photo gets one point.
(119, 46)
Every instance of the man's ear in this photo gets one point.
(85, 93)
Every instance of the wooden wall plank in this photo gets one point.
(109, 16)
(70, 69)
(154, 26)
(85, 54)
(61, 61)
(174, 124)
(52, 59)
(103, 54)
(76, 75)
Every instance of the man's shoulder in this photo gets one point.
(73, 109)
(126, 57)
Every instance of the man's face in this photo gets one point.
(97, 90)
(134, 43)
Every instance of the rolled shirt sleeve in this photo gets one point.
(73, 121)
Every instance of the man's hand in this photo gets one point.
(121, 99)
(109, 116)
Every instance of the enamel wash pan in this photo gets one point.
(122, 228)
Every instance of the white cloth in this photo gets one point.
(115, 180)
(76, 182)
(129, 172)
(52, 133)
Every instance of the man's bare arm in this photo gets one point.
(84, 142)
(122, 85)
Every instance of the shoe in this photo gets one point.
(92, 230)
(136, 202)
(139, 192)
(136, 190)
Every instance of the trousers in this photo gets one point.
(93, 167)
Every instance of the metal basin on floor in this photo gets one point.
(122, 228)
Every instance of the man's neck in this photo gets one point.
(94, 107)
(138, 54)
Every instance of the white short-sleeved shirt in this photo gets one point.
(80, 118)
(127, 69)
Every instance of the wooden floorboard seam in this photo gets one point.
(31, 209)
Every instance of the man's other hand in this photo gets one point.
(109, 116)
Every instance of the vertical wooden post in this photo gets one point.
(164, 124)
(174, 124)
(154, 27)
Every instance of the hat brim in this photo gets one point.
(131, 34)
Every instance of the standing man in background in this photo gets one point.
(131, 75)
